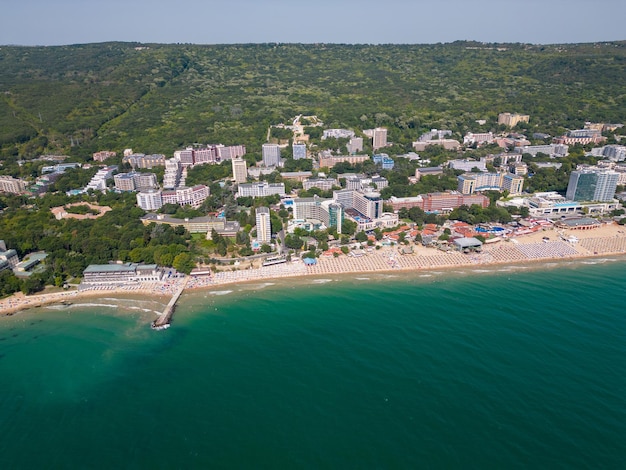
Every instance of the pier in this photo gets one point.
(165, 319)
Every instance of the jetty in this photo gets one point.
(165, 319)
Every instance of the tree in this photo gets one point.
(361, 236)
(183, 263)
(348, 227)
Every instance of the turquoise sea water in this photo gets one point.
(519, 368)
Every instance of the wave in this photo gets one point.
(221, 292)
(321, 281)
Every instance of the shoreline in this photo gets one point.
(609, 240)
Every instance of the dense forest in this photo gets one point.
(156, 98)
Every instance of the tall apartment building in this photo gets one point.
(327, 211)
(592, 185)
(171, 177)
(240, 170)
(299, 151)
(379, 138)
(512, 119)
(271, 155)
(369, 204)
(263, 225)
(135, 181)
(150, 200)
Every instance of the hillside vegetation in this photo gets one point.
(157, 98)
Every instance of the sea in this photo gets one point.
(501, 367)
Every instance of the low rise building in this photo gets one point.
(261, 189)
(104, 155)
(8, 184)
(113, 274)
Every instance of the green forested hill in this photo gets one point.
(156, 98)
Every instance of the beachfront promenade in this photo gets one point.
(606, 240)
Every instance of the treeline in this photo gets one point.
(84, 98)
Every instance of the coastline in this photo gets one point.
(608, 240)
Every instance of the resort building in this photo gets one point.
(477, 139)
(240, 170)
(111, 274)
(362, 182)
(592, 185)
(139, 160)
(553, 150)
(103, 155)
(379, 138)
(512, 119)
(271, 155)
(337, 134)
(135, 181)
(582, 137)
(326, 211)
(263, 225)
(434, 134)
(261, 189)
(150, 200)
(8, 184)
(615, 153)
(468, 165)
(211, 154)
(155, 199)
(355, 145)
(326, 160)
(173, 172)
(325, 184)
(383, 160)
(472, 182)
(448, 144)
(59, 168)
(196, 225)
(299, 151)
(99, 180)
(300, 176)
(438, 202)
(8, 258)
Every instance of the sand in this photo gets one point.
(602, 241)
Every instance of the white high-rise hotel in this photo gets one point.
(240, 170)
(271, 155)
(379, 138)
(263, 225)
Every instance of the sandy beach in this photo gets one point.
(602, 241)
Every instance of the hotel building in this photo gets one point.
(240, 170)
(263, 225)
(271, 155)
